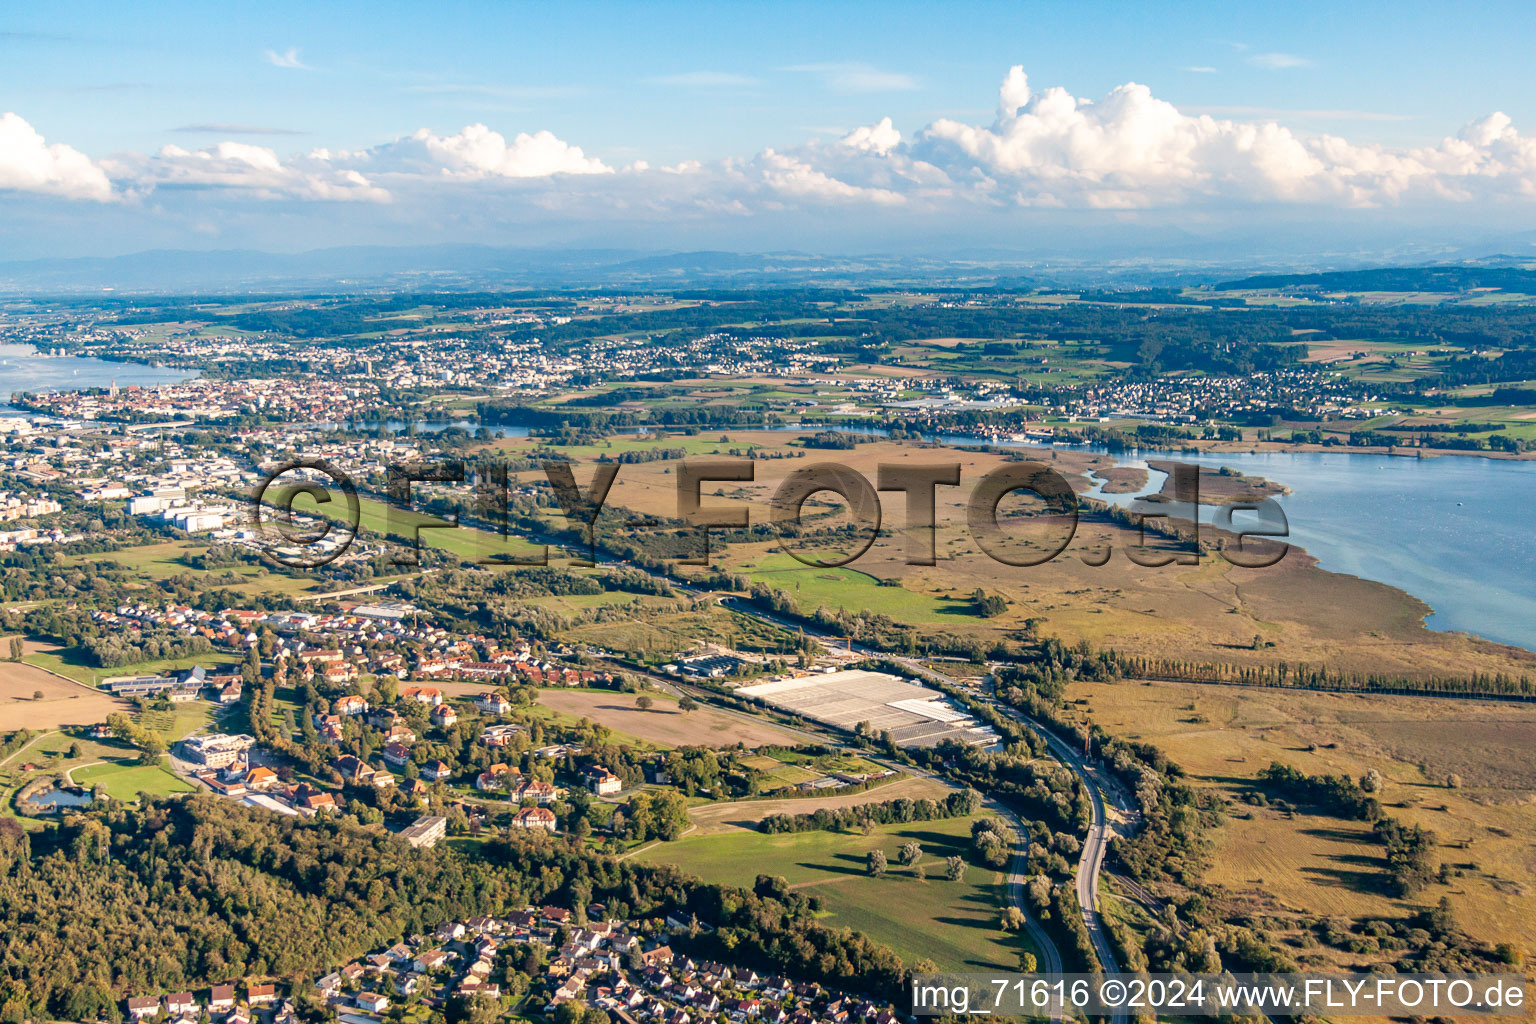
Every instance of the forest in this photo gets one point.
(183, 893)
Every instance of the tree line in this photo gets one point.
(960, 804)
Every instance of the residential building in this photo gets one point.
(534, 817)
(601, 781)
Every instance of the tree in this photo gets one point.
(16, 649)
(644, 703)
(37, 694)
(687, 704)
(988, 605)
(876, 862)
(1371, 781)
(955, 868)
(1027, 963)
(1453, 781)
(911, 852)
(1013, 919)
(657, 814)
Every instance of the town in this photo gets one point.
(548, 958)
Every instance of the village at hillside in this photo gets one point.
(574, 966)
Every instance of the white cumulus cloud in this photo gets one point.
(479, 152)
(1043, 148)
(256, 170)
(29, 164)
(788, 175)
(880, 137)
(1133, 150)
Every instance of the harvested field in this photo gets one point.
(664, 723)
(62, 703)
(745, 814)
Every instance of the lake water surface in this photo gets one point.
(23, 368)
(1455, 532)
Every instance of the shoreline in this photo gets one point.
(1421, 607)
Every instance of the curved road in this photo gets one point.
(1095, 845)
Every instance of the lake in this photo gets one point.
(23, 368)
(1454, 532)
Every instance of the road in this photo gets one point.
(1090, 863)
(368, 589)
(1050, 956)
(1095, 845)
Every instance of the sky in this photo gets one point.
(839, 127)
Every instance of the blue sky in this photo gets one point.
(639, 87)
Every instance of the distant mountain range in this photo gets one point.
(478, 267)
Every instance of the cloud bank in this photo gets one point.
(1043, 149)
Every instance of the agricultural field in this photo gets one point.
(664, 723)
(959, 930)
(1282, 863)
(466, 542)
(62, 702)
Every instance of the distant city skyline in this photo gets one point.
(838, 128)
